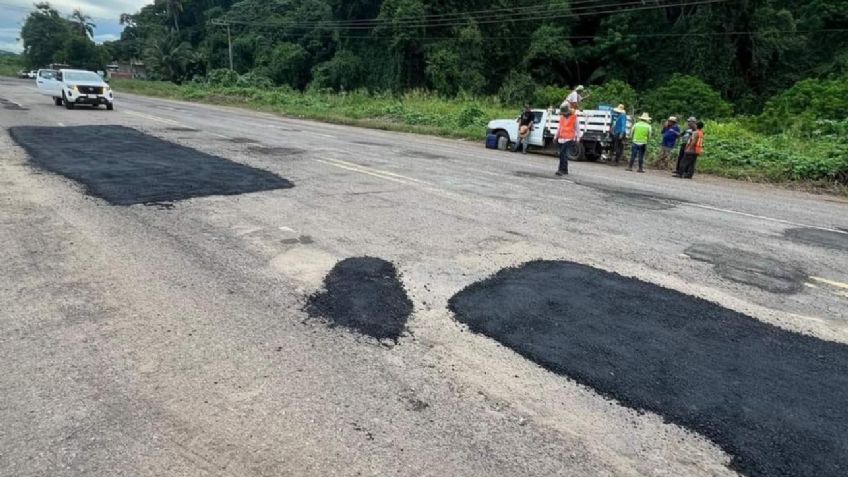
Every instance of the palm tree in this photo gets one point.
(168, 56)
(83, 23)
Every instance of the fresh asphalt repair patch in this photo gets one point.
(126, 167)
(773, 399)
(750, 268)
(363, 294)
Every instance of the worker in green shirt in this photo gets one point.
(639, 136)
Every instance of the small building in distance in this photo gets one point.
(133, 69)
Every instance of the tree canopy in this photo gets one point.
(747, 50)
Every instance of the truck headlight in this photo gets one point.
(74, 87)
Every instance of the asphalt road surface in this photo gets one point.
(160, 289)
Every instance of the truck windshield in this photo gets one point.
(82, 76)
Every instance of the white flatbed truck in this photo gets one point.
(596, 125)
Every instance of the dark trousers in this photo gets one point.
(687, 165)
(638, 152)
(564, 149)
(682, 153)
(617, 147)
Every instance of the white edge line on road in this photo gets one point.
(763, 217)
(61, 125)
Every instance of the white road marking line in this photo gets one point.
(830, 282)
(155, 118)
(361, 171)
(762, 217)
(381, 171)
(61, 125)
(325, 135)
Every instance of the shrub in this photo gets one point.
(517, 88)
(287, 65)
(255, 80)
(801, 107)
(613, 93)
(685, 96)
(222, 77)
(550, 96)
(344, 71)
(471, 115)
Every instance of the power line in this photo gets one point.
(480, 20)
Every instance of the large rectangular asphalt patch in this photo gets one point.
(773, 399)
(125, 167)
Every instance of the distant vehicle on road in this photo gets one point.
(26, 74)
(73, 87)
(596, 125)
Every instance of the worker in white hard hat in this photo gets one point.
(574, 99)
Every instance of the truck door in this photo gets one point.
(47, 84)
(537, 136)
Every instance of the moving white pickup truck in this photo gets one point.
(72, 87)
(596, 125)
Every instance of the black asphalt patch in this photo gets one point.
(364, 294)
(750, 268)
(276, 151)
(818, 238)
(125, 167)
(772, 399)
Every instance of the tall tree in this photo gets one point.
(44, 35)
(83, 23)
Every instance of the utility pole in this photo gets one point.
(230, 42)
(229, 39)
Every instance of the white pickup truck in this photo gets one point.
(596, 125)
(73, 87)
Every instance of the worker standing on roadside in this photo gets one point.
(574, 99)
(568, 136)
(640, 135)
(694, 148)
(670, 134)
(525, 126)
(619, 132)
(691, 127)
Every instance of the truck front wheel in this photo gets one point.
(503, 140)
(68, 104)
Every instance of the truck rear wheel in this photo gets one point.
(57, 101)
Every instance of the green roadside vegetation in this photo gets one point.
(794, 140)
(10, 65)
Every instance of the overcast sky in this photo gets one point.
(105, 13)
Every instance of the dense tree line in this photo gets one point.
(747, 50)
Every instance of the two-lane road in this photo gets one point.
(171, 338)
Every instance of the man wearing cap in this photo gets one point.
(691, 127)
(574, 99)
(525, 126)
(619, 132)
(670, 134)
(639, 136)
